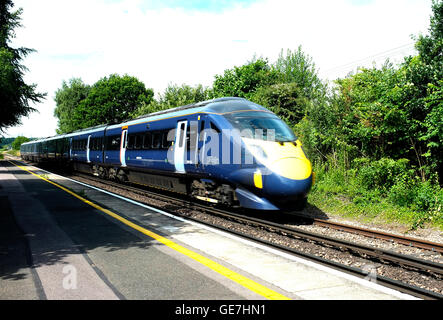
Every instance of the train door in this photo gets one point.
(180, 146)
(88, 160)
(123, 147)
(201, 138)
(191, 154)
(70, 149)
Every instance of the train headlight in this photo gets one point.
(258, 179)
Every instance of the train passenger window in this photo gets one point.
(156, 140)
(113, 142)
(97, 144)
(138, 142)
(214, 127)
(147, 141)
(131, 140)
(116, 142)
(93, 144)
(100, 144)
(165, 143)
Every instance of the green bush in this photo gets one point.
(18, 142)
(403, 192)
(381, 174)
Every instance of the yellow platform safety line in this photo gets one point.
(242, 280)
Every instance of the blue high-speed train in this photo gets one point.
(228, 150)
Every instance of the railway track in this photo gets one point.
(413, 242)
(420, 266)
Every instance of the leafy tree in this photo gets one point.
(15, 94)
(298, 67)
(434, 127)
(245, 80)
(430, 47)
(18, 142)
(5, 141)
(373, 119)
(112, 100)
(67, 100)
(285, 99)
(174, 96)
(427, 75)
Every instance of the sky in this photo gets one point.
(164, 42)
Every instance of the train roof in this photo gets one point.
(215, 106)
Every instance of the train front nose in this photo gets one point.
(288, 178)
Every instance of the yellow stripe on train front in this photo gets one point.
(285, 159)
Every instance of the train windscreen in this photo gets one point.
(261, 125)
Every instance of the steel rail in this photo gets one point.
(409, 241)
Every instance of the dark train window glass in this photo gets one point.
(116, 142)
(113, 142)
(108, 140)
(188, 137)
(202, 126)
(131, 140)
(97, 144)
(156, 140)
(214, 127)
(147, 141)
(165, 143)
(138, 141)
(100, 144)
(268, 124)
(125, 139)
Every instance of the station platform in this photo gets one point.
(62, 240)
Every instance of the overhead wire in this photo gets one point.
(391, 53)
